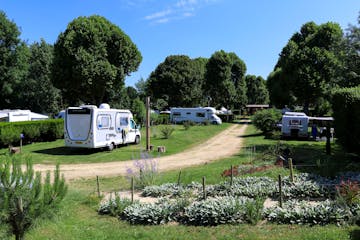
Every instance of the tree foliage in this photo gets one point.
(177, 81)
(257, 92)
(223, 79)
(352, 44)
(346, 105)
(311, 62)
(36, 90)
(13, 61)
(23, 197)
(91, 60)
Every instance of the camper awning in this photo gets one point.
(322, 118)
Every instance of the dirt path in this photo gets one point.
(225, 144)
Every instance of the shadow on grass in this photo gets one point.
(251, 135)
(67, 151)
(355, 235)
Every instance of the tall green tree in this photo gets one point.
(13, 62)
(91, 60)
(257, 92)
(223, 77)
(175, 82)
(37, 91)
(238, 70)
(312, 62)
(279, 88)
(352, 43)
(23, 195)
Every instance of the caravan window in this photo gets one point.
(295, 122)
(103, 121)
(200, 114)
(176, 114)
(124, 121)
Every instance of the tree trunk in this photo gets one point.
(306, 108)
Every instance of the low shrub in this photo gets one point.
(301, 212)
(266, 120)
(151, 214)
(166, 131)
(114, 206)
(215, 211)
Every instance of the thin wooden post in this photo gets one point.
(132, 189)
(291, 170)
(147, 123)
(178, 182)
(232, 175)
(204, 187)
(98, 186)
(280, 192)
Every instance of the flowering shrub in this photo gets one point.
(144, 172)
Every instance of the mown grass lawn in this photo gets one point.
(78, 218)
(54, 152)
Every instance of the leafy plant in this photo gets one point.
(349, 191)
(166, 131)
(114, 206)
(254, 210)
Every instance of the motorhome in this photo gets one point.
(90, 127)
(198, 115)
(295, 124)
(18, 115)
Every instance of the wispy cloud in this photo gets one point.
(179, 9)
(159, 15)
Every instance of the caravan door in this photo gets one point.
(122, 123)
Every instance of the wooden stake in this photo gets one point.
(204, 187)
(178, 182)
(98, 186)
(291, 170)
(147, 123)
(280, 192)
(132, 189)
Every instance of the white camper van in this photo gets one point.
(198, 115)
(91, 127)
(295, 124)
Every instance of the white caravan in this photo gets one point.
(91, 127)
(294, 124)
(198, 115)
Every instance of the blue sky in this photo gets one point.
(256, 30)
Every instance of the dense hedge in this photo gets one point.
(346, 108)
(266, 120)
(34, 131)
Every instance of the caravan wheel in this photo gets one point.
(137, 140)
(111, 147)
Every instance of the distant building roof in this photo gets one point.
(257, 105)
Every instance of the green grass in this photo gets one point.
(78, 218)
(54, 152)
